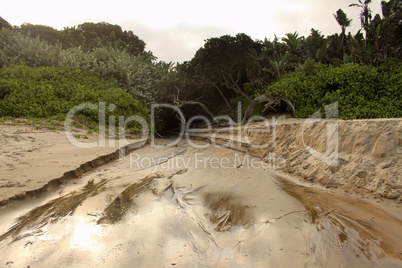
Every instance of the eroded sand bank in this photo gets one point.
(368, 152)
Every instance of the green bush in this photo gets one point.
(137, 75)
(361, 91)
(43, 92)
(16, 48)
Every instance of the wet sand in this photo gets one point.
(174, 207)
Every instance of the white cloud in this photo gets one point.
(319, 16)
(176, 43)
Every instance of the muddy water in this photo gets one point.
(174, 207)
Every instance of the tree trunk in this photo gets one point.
(232, 84)
(223, 97)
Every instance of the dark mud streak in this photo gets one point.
(227, 211)
(326, 210)
(78, 172)
(50, 212)
(125, 201)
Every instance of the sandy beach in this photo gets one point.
(194, 204)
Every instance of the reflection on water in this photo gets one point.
(84, 234)
(53, 211)
(160, 220)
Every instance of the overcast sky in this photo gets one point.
(175, 29)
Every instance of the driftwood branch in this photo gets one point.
(297, 211)
(329, 212)
(271, 102)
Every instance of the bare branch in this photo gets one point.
(202, 105)
(270, 102)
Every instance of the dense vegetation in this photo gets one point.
(59, 69)
(361, 91)
(44, 92)
(239, 68)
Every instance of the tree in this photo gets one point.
(17, 48)
(105, 34)
(46, 33)
(343, 22)
(294, 43)
(278, 65)
(358, 51)
(391, 28)
(228, 64)
(5, 24)
(383, 34)
(315, 44)
(334, 49)
(365, 15)
(273, 59)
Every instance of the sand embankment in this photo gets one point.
(367, 152)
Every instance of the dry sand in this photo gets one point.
(176, 207)
(30, 158)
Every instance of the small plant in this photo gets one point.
(78, 124)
